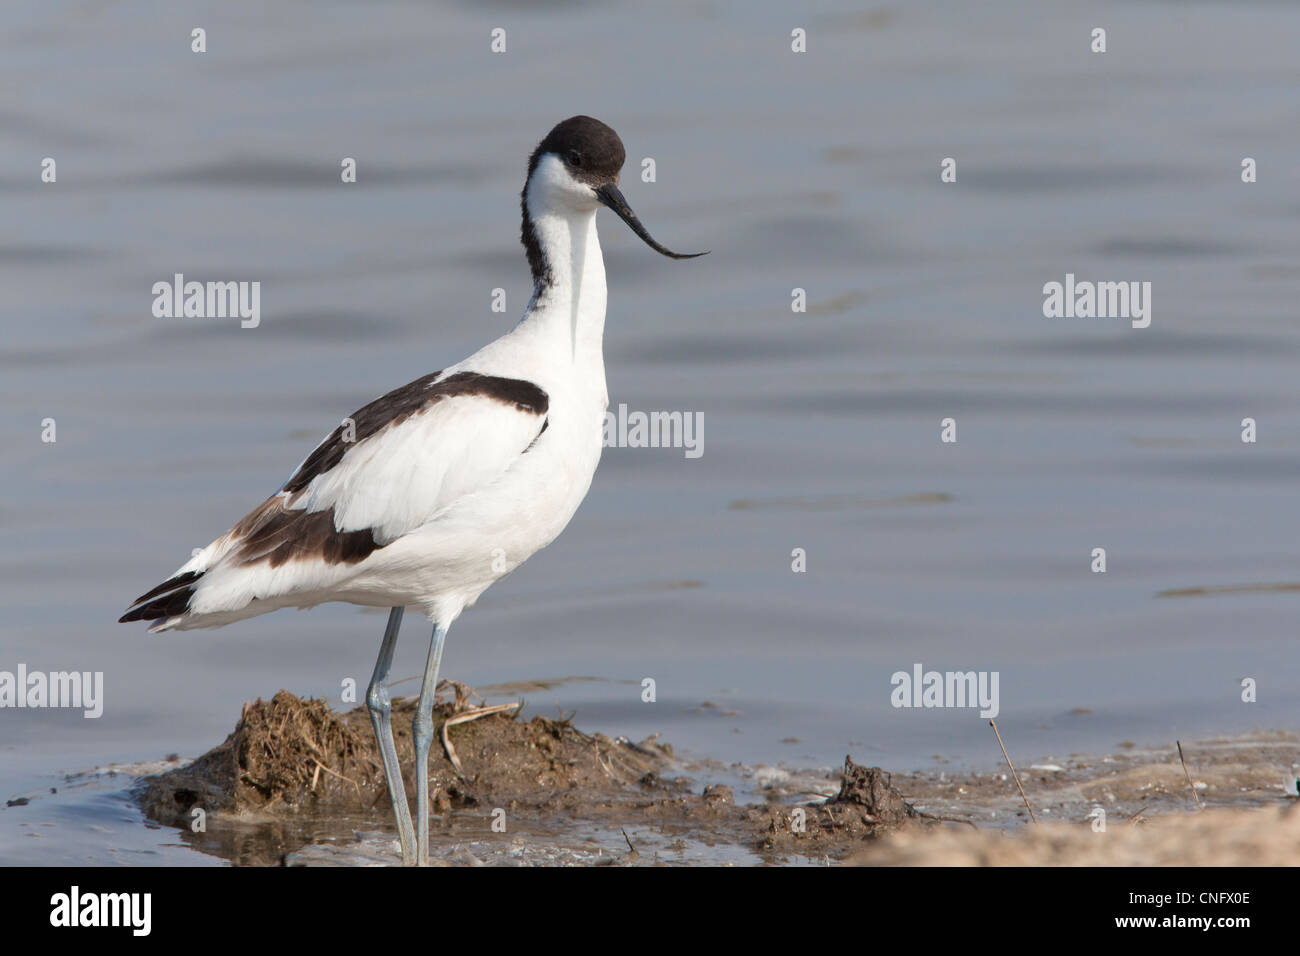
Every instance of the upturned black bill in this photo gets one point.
(609, 195)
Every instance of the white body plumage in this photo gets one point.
(464, 490)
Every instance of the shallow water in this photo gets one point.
(817, 171)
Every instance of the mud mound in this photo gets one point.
(1269, 837)
(294, 755)
(867, 805)
(872, 789)
(277, 754)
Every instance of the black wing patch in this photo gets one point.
(401, 403)
(277, 534)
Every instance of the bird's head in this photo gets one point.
(576, 168)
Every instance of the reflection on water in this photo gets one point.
(816, 172)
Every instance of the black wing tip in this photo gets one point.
(171, 584)
(168, 599)
(139, 614)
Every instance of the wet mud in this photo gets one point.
(296, 783)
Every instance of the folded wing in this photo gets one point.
(385, 471)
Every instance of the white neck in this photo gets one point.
(568, 304)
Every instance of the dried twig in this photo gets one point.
(1013, 772)
(341, 777)
(465, 717)
(600, 760)
(462, 691)
(1190, 785)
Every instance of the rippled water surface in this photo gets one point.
(817, 171)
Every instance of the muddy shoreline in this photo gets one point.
(298, 784)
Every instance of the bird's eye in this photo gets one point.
(575, 158)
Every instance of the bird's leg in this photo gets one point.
(422, 728)
(380, 707)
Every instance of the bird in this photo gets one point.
(428, 495)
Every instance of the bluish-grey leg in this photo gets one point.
(380, 707)
(422, 728)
